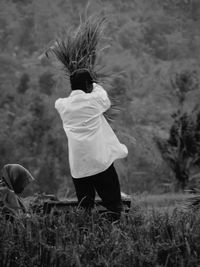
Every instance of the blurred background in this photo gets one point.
(152, 46)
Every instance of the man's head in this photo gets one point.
(81, 80)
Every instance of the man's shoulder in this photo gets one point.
(60, 102)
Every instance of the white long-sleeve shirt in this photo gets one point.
(92, 144)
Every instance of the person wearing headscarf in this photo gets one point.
(13, 181)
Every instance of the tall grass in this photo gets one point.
(77, 239)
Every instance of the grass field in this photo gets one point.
(156, 232)
(164, 202)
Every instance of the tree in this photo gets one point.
(182, 149)
(23, 83)
(46, 83)
(183, 83)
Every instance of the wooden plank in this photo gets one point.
(65, 205)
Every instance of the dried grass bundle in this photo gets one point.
(79, 49)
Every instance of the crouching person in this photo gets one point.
(13, 181)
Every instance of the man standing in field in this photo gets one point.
(93, 146)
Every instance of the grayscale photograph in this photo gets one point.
(99, 133)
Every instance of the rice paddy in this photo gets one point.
(156, 232)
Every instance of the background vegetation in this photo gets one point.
(150, 42)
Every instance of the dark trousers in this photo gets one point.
(106, 184)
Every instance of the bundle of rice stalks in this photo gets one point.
(79, 49)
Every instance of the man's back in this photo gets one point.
(93, 146)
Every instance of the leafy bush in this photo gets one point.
(46, 83)
(23, 84)
(182, 149)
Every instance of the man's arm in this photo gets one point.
(100, 96)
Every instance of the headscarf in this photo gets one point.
(13, 182)
(16, 177)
